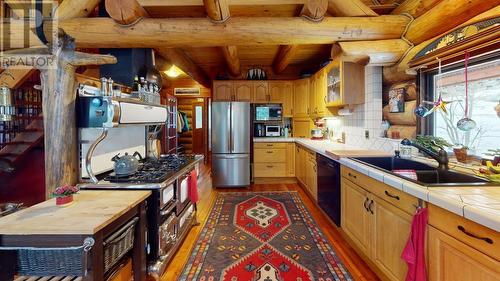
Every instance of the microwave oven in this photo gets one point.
(268, 112)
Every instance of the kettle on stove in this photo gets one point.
(126, 165)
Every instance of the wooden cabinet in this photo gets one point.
(301, 127)
(301, 98)
(313, 107)
(222, 91)
(377, 220)
(287, 92)
(276, 94)
(290, 159)
(311, 183)
(243, 91)
(272, 160)
(320, 93)
(300, 164)
(345, 83)
(261, 91)
(452, 260)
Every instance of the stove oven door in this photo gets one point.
(167, 195)
(167, 234)
(182, 192)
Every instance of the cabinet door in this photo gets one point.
(243, 91)
(321, 94)
(301, 98)
(312, 180)
(290, 159)
(391, 229)
(301, 128)
(313, 107)
(287, 90)
(222, 90)
(352, 88)
(301, 165)
(452, 260)
(355, 218)
(276, 90)
(261, 92)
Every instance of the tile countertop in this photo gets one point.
(478, 204)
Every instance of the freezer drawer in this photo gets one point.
(230, 170)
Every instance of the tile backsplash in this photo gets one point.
(366, 117)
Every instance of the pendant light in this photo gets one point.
(466, 124)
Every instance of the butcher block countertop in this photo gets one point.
(91, 211)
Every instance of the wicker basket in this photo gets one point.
(118, 244)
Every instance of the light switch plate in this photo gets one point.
(367, 134)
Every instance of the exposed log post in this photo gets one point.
(380, 52)
(230, 54)
(179, 32)
(58, 103)
(415, 8)
(351, 8)
(283, 57)
(180, 59)
(125, 11)
(69, 9)
(314, 10)
(218, 11)
(445, 16)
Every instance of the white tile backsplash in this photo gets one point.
(367, 116)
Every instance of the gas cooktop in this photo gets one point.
(155, 170)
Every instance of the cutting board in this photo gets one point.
(91, 211)
(358, 153)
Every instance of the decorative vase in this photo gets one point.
(64, 200)
(461, 154)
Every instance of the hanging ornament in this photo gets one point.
(439, 104)
(421, 110)
(497, 109)
(466, 124)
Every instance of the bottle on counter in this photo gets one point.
(136, 87)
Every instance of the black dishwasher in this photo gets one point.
(329, 187)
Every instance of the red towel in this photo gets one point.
(414, 251)
(193, 186)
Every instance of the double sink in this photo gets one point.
(426, 175)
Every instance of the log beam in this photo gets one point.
(415, 8)
(314, 10)
(380, 52)
(351, 8)
(445, 16)
(69, 9)
(184, 62)
(125, 12)
(283, 57)
(178, 32)
(230, 54)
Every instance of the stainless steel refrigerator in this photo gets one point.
(230, 144)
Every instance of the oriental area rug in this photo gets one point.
(265, 236)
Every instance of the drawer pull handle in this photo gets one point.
(269, 166)
(392, 196)
(351, 175)
(269, 145)
(485, 239)
(269, 151)
(366, 206)
(370, 207)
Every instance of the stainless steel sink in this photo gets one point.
(426, 175)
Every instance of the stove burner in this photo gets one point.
(155, 170)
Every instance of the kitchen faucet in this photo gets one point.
(441, 157)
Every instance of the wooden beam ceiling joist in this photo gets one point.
(69, 9)
(445, 16)
(415, 8)
(351, 8)
(184, 62)
(173, 3)
(379, 52)
(159, 33)
(218, 11)
(283, 57)
(125, 12)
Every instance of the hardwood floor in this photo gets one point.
(356, 266)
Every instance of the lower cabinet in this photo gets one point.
(378, 228)
(273, 160)
(452, 260)
(306, 170)
(300, 164)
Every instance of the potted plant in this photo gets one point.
(460, 151)
(64, 194)
(431, 142)
(494, 156)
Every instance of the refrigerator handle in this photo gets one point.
(229, 129)
(231, 137)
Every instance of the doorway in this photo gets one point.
(195, 139)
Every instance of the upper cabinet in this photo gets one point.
(261, 91)
(243, 91)
(282, 92)
(301, 98)
(345, 84)
(222, 91)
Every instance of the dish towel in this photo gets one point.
(414, 251)
(193, 187)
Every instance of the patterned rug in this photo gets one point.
(262, 236)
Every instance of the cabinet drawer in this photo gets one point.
(270, 155)
(477, 236)
(270, 170)
(269, 145)
(396, 197)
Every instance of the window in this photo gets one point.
(484, 105)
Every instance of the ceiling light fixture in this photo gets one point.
(173, 71)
